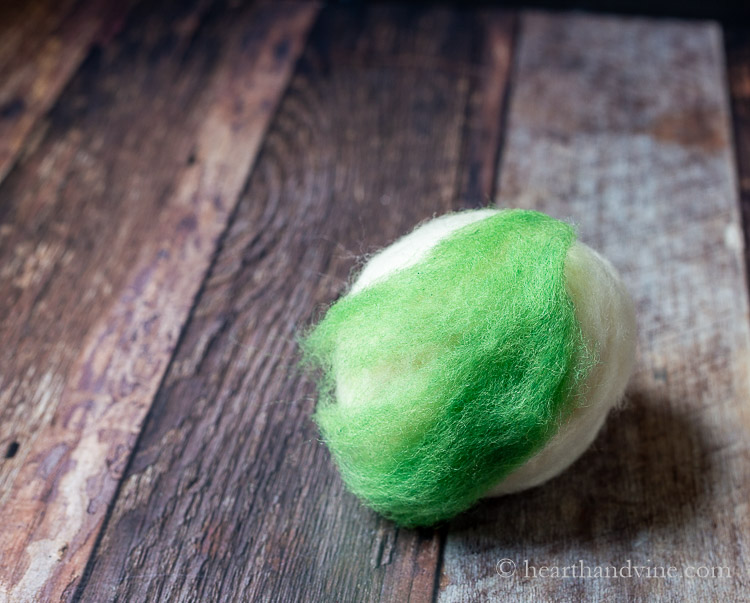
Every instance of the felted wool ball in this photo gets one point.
(477, 356)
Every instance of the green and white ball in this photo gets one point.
(477, 356)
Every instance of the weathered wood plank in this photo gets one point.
(42, 43)
(230, 495)
(107, 230)
(621, 125)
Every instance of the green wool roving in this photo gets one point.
(460, 355)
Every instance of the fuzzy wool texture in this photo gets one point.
(469, 359)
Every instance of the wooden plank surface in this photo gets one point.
(42, 43)
(108, 226)
(230, 495)
(737, 44)
(113, 216)
(621, 125)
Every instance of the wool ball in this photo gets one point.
(477, 356)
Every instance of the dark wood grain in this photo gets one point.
(107, 228)
(737, 44)
(486, 114)
(42, 43)
(621, 125)
(230, 495)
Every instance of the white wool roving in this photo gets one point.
(604, 310)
